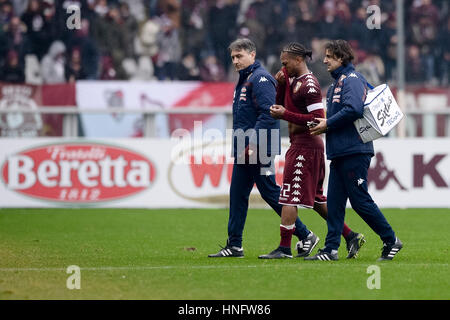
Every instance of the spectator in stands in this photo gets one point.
(54, 63)
(424, 25)
(130, 27)
(211, 70)
(316, 63)
(120, 29)
(307, 12)
(12, 71)
(414, 71)
(38, 34)
(48, 12)
(107, 68)
(146, 43)
(274, 30)
(6, 12)
(444, 58)
(110, 36)
(74, 69)
(170, 9)
(19, 6)
(3, 46)
(15, 33)
(222, 27)
(388, 46)
(372, 68)
(188, 69)
(88, 50)
(169, 49)
(358, 30)
(331, 26)
(291, 30)
(424, 8)
(254, 29)
(193, 26)
(101, 8)
(343, 12)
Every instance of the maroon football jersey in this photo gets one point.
(302, 99)
(305, 93)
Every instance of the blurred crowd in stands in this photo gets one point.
(188, 39)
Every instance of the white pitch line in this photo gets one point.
(303, 265)
(141, 268)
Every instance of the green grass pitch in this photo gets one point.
(162, 254)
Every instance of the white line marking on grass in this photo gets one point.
(302, 265)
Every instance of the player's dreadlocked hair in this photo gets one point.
(297, 49)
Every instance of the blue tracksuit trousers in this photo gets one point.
(348, 180)
(242, 180)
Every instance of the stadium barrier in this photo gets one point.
(190, 173)
(121, 109)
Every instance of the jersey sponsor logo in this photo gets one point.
(301, 158)
(312, 90)
(295, 199)
(296, 186)
(352, 75)
(296, 193)
(263, 79)
(298, 171)
(297, 179)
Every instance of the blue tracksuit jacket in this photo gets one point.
(253, 96)
(345, 104)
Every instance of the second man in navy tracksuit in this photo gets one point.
(350, 157)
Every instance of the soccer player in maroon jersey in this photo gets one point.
(299, 101)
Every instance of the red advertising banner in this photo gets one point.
(78, 172)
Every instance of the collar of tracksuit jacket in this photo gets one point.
(342, 70)
(244, 73)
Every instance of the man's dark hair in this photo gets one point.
(297, 49)
(242, 44)
(340, 49)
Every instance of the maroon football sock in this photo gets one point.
(286, 235)
(346, 231)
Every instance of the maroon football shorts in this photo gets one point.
(304, 173)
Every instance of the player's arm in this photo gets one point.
(352, 100)
(281, 87)
(303, 119)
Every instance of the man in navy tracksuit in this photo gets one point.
(350, 157)
(256, 142)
